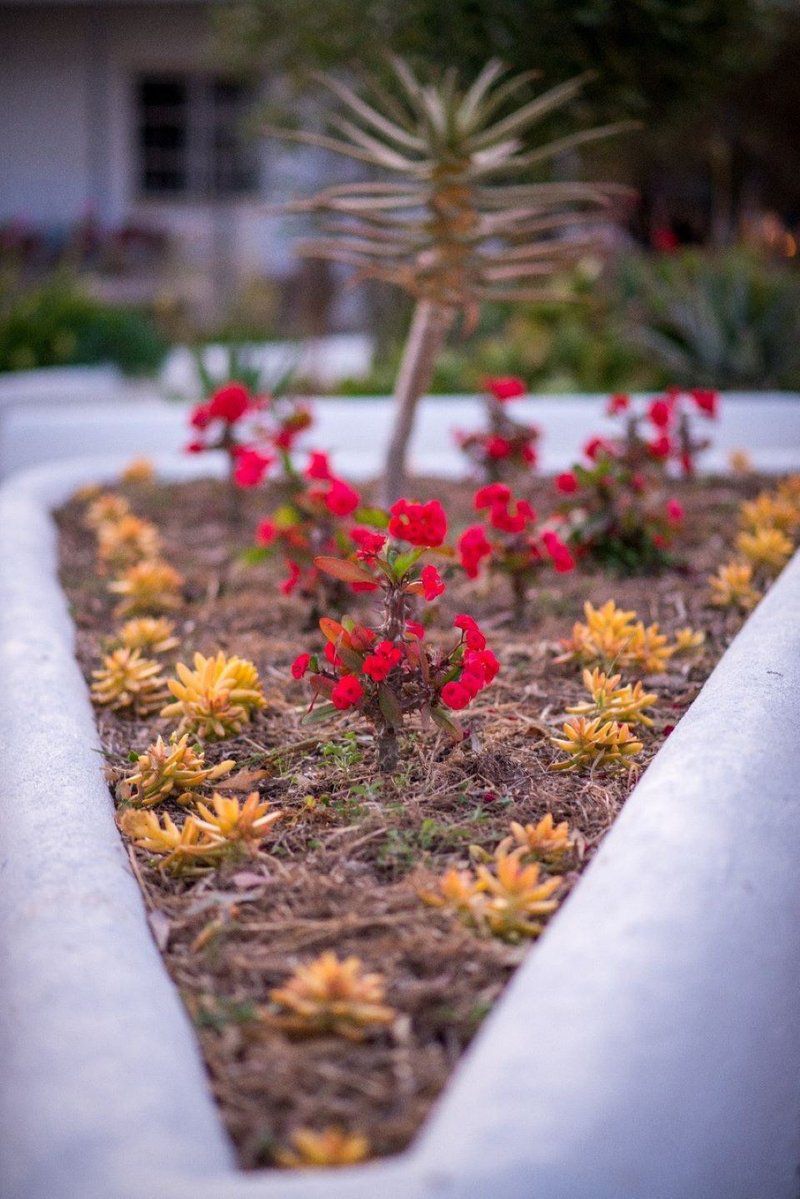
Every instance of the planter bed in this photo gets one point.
(353, 850)
(345, 870)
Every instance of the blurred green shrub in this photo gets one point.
(55, 323)
(726, 319)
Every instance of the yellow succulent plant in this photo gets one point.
(139, 470)
(546, 841)
(169, 771)
(147, 588)
(233, 823)
(152, 633)
(514, 900)
(332, 1146)
(733, 587)
(330, 995)
(740, 462)
(687, 640)
(767, 550)
(612, 701)
(506, 898)
(789, 489)
(613, 638)
(127, 541)
(107, 508)
(178, 848)
(128, 682)
(217, 698)
(595, 742)
(770, 510)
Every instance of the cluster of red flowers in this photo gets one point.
(506, 445)
(511, 540)
(251, 430)
(614, 507)
(419, 524)
(359, 669)
(660, 432)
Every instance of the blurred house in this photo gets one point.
(116, 118)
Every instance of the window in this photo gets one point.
(190, 136)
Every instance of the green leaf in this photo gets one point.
(403, 562)
(440, 717)
(390, 708)
(254, 554)
(319, 713)
(376, 517)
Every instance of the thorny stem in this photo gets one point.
(519, 589)
(388, 748)
(395, 613)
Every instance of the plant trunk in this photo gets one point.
(429, 328)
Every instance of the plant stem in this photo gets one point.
(388, 749)
(429, 328)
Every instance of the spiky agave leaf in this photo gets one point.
(456, 219)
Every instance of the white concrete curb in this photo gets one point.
(648, 1049)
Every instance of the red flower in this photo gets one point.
(529, 454)
(707, 401)
(415, 629)
(596, 446)
(342, 499)
(505, 388)
(455, 695)
(432, 583)
(566, 483)
(347, 692)
(560, 553)
(292, 579)
(376, 667)
(617, 403)
(300, 665)
(498, 447)
(675, 512)
(229, 403)
(473, 636)
(492, 493)
(318, 467)
(660, 413)
(200, 416)
(251, 466)
(195, 447)
(473, 546)
(512, 517)
(420, 524)
(266, 532)
(369, 543)
(661, 447)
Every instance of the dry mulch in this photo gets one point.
(352, 849)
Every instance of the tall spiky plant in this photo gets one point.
(455, 220)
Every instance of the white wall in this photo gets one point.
(67, 133)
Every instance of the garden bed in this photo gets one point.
(353, 850)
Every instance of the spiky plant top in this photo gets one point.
(139, 470)
(155, 634)
(170, 771)
(614, 639)
(766, 549)
(217, 698)
(107, 508)
(234, 823)
(331, 1146)
(330, 995)
(127, 682)
(147, 588)
(546, 841)
(595, 742)
(177, 848)
(506, 898)
(127, 541)
(613, 701)
(770, 510)
(733, 587)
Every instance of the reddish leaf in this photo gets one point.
(341, 568)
